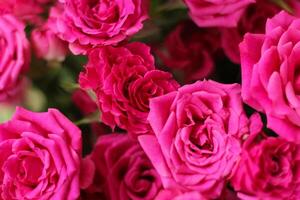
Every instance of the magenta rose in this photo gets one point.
(270, 74)
(26, 10)
(253, 20)
(88, 107)
(124, 79)
(123, 170)
(15, 57)
(87, 25)
(269, 168)
(84, 102)
(197, 136)
(47, 45)
(223, 13)
(40, 157)
(177, 195)
(190, 50)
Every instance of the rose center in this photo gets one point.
(202, 141)
(275, 168)
(297, 80)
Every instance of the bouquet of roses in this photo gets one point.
(149, 99)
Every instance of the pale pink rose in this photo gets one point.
(87, 25)
(269, 169)
(40, 156)
(189, 50)
(124, 79)
(253, 20)
(177, 195)
(26, 10)
(270, 74)
(15, 57)
(47, 45)
(223, 13)
(197, 136)
(123, 170)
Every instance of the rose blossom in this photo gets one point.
(207, 13)
(15, 57)
(88, 107)
(47, 45)
(190, 50)
(123, 170)
(97, 23)
(25, 10)
(269, 168)
(124, 79)
(197, 130)
(177, 195)
(253, 20)
(40, 156)
(270, 74)
(84, 102)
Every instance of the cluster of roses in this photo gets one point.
(191, 142)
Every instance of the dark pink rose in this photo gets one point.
(124, 79)
(40, 156)
(197, 136)
(224, 13)
(123, 170)
(269, 168)
(189, 50)
(47, 45)
(84, 102)
(97, 23)
(17, 95)
(177, 195)
(228, 194)
(270, 74)
(15, 57)
(294, 6)
(253, 20)
(88, 106)
(26, 10)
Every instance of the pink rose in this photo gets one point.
(40, 157)
(87, 25)
(25, 10)
(124, 79)
(47, 45)
(15, 58)
(177, 195)
(197, 136)
(253, 20)
(190, 50)
(207, 13)
(270, 74)
(269, 168)
(123, 170)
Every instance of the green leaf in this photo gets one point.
(171, 5)
(69, 86)
(284, 5)
(35, 100)
(6, 112)
(94, 117)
